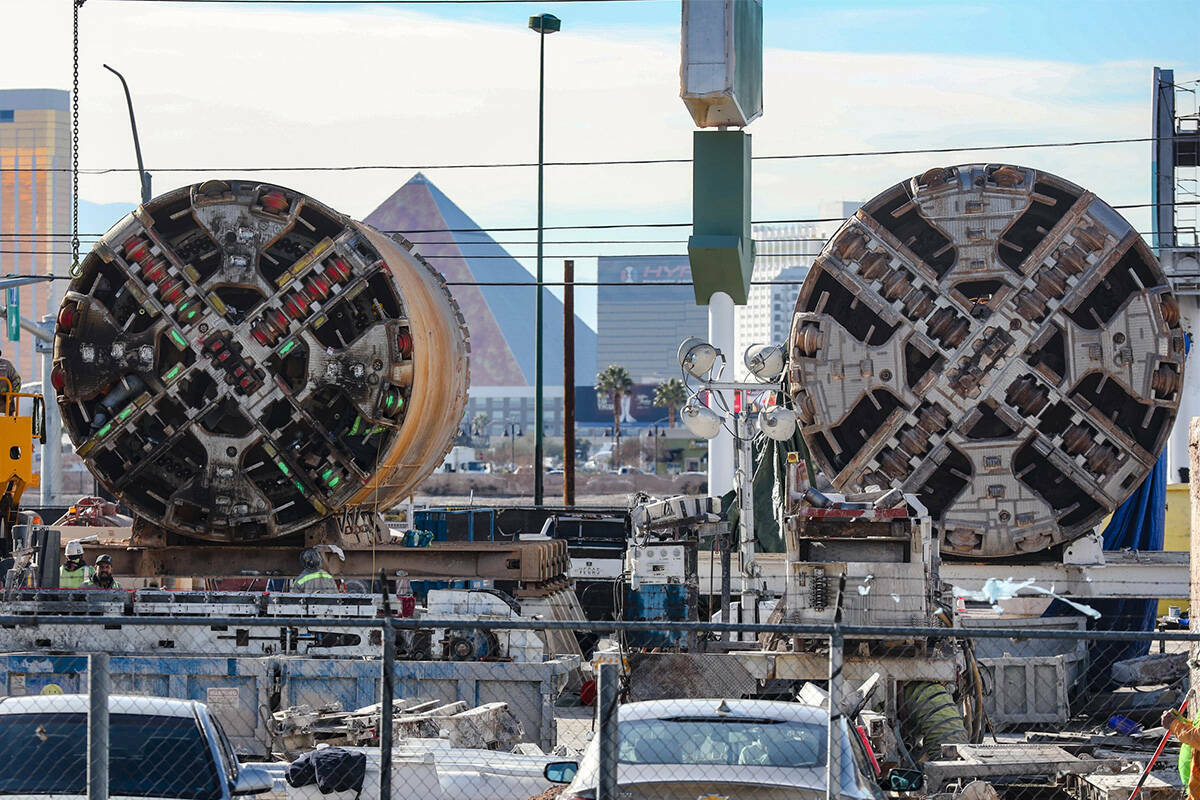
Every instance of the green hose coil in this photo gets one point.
(929, 715)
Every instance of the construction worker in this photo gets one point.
(75, 572)
(313, 578)
(1188, 734)
(103, 576)
(7, 370)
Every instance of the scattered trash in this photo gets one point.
(1124, 725)
(491, 726)
(994, 590)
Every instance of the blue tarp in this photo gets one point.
(1138, 524)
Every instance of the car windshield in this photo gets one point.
(149, 756)
(721, 740)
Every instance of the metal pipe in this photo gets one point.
(388, 702)
(608, 711)
(36, 329)
(538, 378)
(97, 734)
(744, 470)
(847, 631)
(720, 447)
(143, 176)
(568, 401)
(50, 490)
(723, 544)
(833, 748)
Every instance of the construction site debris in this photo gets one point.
(490, 726)
(1151, 669)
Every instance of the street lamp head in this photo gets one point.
(703, 422)
(777, 423)
(765, 361)
(545, 23)
(696, 356)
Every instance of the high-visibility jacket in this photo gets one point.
(93, 584)
(315, 582)
(1188, 734)
(74, 578)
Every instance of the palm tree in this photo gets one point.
(672, 394)
(616, 382)
(479, 424)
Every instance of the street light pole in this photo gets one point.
(656, 435)
(542, 24)
(143, 176)
(510, 430)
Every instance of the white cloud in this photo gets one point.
(227, 86)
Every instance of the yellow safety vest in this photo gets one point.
(92, 584)
(310, 576)
(74, 578)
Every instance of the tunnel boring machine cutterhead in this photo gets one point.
(237, 361)
(995, 340)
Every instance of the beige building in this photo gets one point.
(35, 205)
(783, 253)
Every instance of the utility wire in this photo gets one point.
(612, 226)
(607, 163)
(502, 256)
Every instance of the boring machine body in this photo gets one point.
(237, 362)
(985, 361)
(996, 341)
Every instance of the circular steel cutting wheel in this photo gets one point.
(236, 361)
(996, 340)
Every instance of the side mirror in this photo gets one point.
(251, 780)
(561, 771)
(905, 780)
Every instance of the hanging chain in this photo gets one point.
(75, 6)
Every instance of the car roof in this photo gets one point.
(78, 704)
(717, 707)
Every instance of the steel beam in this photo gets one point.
(518, 561)
(855, 669)
(1123, 574)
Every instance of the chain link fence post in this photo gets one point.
(833, 746)
(97, 732)
(607, 710)
(387, 709)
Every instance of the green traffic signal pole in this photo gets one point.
(542, 24)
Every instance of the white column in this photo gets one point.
(720, 449)
(1189, 395)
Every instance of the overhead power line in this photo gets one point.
(53, 235)
(599, 163)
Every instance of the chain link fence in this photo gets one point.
(309, 709)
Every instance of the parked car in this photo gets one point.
(745, 749)
(158, 748)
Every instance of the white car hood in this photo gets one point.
(713, 774)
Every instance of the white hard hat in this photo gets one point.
(74, 548)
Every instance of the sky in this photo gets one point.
(224, 90)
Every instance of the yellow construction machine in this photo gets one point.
(24, 418)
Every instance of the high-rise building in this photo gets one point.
(35, 204)
(780, 248)
(782, 301)
(641, 318)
